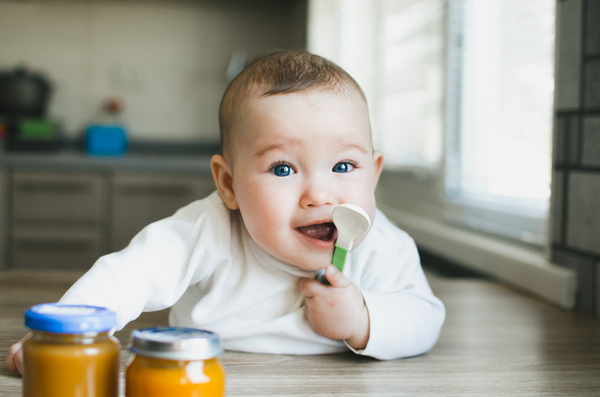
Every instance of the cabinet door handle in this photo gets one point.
(156, 190)
(35, 244)
(54, 187)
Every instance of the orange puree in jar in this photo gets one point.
(153, 377)
(174, 362)
(70, 353)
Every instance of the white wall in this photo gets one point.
(166, 59)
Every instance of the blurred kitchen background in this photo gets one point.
(487, 111)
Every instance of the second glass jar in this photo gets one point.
(175, 362)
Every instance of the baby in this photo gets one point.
(296, 142)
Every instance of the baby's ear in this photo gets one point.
(377, 164)
(224, 181)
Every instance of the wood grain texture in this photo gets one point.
(495, 342)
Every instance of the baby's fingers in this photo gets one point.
(311, 288)
(336, 278)
(14, 358)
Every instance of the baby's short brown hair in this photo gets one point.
(280, 72)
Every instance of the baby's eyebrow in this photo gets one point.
(351, 145)
(268, 148)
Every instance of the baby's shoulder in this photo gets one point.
(212, 206)
(384, 242)
(384, 233)
(385, 254)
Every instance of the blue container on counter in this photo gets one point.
(105, 139)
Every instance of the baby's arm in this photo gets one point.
(337, 311)
(405, 317)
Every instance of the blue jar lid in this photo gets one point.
(70, 319)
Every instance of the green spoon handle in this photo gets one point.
(339, 257)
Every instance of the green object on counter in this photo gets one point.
(36, 129)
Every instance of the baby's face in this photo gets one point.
(296, 157)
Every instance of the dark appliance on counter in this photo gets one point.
(24, 100)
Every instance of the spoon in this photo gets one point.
(351, 221)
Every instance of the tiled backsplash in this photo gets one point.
(576, 160)
(166, 59)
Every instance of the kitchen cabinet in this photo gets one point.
(59, 197)
(138, 200)
(65, 247)
(64, 210)
(58, 220)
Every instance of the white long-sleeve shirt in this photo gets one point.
(202, 263)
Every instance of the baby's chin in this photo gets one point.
(312, 262)
(314, 266)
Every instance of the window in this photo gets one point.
(501, 85)
(463, 88)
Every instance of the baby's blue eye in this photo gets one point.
(343, 167)
(282, 170)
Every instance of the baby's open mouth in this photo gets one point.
(320, 231)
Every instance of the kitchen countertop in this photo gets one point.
(137, 161)
(495, 342)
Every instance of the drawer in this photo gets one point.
(57, 197)
(67, 248)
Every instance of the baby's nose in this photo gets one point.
(316, 195)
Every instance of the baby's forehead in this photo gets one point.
(327, 98)
(344, 111)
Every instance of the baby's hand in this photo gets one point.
(337, 311)
(14, 358)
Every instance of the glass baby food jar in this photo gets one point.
(174, 362)
(71, 352)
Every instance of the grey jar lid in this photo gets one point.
(175, 343)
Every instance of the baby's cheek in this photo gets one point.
(271, 225)
(267, 231)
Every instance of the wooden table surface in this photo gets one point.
(495, 342)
